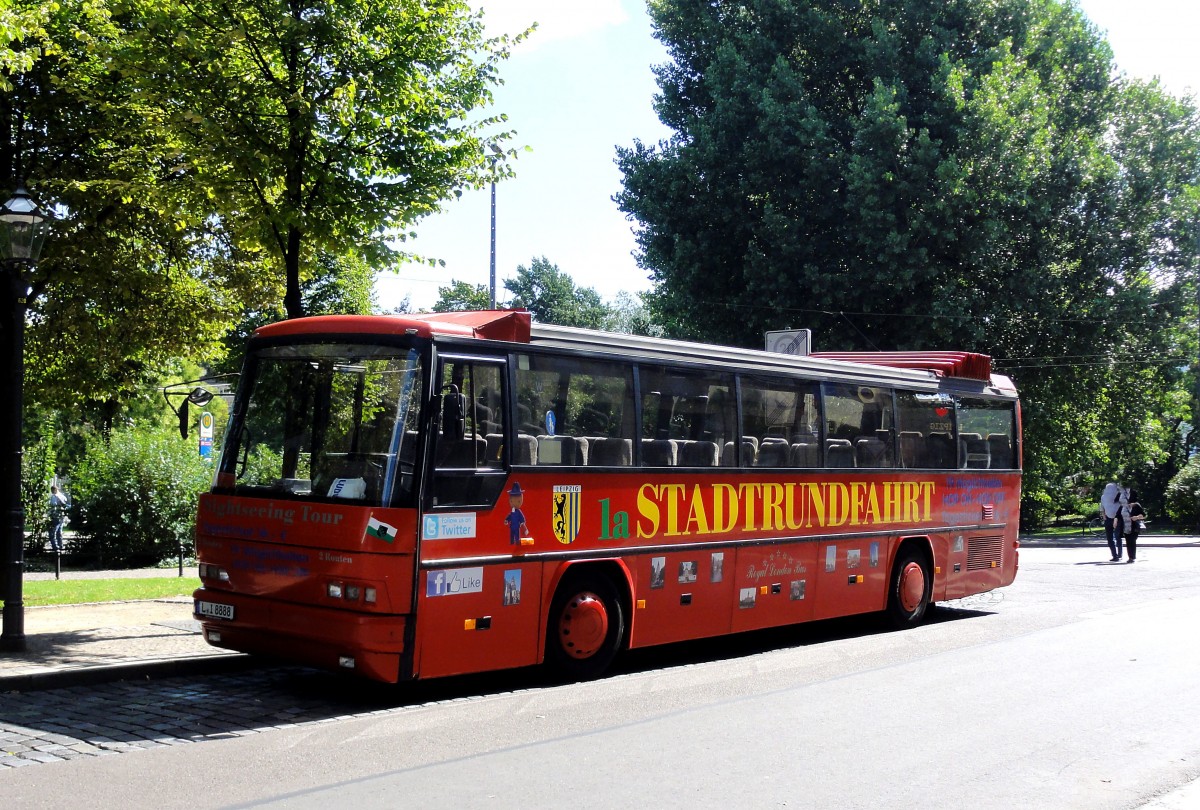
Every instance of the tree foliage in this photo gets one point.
(462, 296)
(1182, 502)
(906, 175)
(320, 126)
(552, 297)
(209, 159)
(122, 283)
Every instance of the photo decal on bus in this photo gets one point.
(512, 587)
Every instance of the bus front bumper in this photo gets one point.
(328, 638)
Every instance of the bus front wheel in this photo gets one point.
(586, 627)
(911, 588)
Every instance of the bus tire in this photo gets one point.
(911, 589)
(586, 627)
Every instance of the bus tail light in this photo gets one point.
(333, 590)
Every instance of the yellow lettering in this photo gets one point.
(891, 501)
(911, 492)
(725, 507)
(873, 504)
(672, 492)
(789, 511)
(747, 493)
(772, 506)
(818, 503)
(696, 515)
(857, 489)
(839, 503)
(648, 509)
(927, 489)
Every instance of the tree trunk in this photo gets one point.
(292, 304)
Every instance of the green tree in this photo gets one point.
(122, 284)
(552, 297)
(320, 126)
(1182, 502)
(911, 175)
(461, 296)
(343, 286)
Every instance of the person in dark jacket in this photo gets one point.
(1133, 515)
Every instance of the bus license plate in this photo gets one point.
(214, 610)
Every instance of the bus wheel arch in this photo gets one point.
(910, 586)
(587, 625)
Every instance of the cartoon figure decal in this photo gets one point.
(516, 518)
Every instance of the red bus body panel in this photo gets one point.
(701, 554)
(704, 554)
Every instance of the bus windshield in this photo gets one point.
(327, 421)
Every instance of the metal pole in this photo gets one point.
(492, 299)
(12, 639)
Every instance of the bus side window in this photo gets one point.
(780, 423)
(863, 417)
(986, 428)
(469, 450)
(687, 418)
(573, 412)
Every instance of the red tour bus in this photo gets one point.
(412, 497)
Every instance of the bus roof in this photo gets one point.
(516, 326)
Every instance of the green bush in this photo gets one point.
(134, 498)
(1183, 495)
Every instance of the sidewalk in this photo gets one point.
(72, 645)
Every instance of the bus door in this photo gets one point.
(471, 614)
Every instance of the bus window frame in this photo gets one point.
(432, 430)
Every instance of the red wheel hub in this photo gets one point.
(583, 625)
(912, 587)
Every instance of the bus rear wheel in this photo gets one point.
(586, 627)
(911, 588)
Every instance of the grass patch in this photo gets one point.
(86, 591)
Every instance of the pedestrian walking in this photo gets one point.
(1110, 504)
(56, 509)
(1135, 522)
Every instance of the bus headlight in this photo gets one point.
(210, 571)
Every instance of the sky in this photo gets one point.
(582, 85)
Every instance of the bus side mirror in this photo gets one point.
(183, 419)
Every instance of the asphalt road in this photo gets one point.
(1075, 687)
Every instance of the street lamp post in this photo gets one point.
(22, 230)
(492, 299)
(496, 155)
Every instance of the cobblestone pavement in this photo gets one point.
(54, 725)
(86, 721)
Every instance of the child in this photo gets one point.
(1134, 521)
